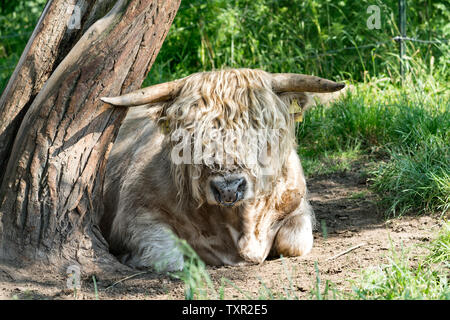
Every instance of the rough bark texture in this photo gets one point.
(50, 42)
(51, 194)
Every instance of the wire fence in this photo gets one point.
(312, 55)
(436, 41)
(399, 39)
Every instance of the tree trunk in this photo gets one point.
(53, 37)
(51, 193)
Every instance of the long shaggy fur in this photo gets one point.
(148, 196)
(235, 103)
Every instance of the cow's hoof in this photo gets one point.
(293, 244)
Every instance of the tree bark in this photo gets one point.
(51, 193)
(52, 39)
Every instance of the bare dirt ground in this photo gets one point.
(342, 203)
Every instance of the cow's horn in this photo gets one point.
(156, 93)
(292, 82)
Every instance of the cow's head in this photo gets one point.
(230, 132)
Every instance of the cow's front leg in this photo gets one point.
(254, 249)
(256, 241)
(295, 238)
(151, 243)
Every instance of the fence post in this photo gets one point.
(402, 28)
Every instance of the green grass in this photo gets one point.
(403, 132)
(440, 248)
(359, 195)
(198, 284)
(408, 276)
(415, 181)
(329, 161)
(17, 21)
(310, 37)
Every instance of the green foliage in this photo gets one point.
(17, 22)
(198, 284)
(440, 248)
(416, 180)
(405, 133)
(406, 276)
(400, 281)
(330, 292)
(310, 37)
(329, 161)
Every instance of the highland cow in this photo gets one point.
(212, 159)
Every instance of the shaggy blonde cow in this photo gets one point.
(212, 159)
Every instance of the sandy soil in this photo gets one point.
(342, 203)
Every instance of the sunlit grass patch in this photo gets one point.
(416, 180)
(440, 248)
(329, 161)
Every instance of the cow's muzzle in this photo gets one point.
(228, 191)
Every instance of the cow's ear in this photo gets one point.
(298, 103)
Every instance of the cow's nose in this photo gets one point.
(228, 192)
